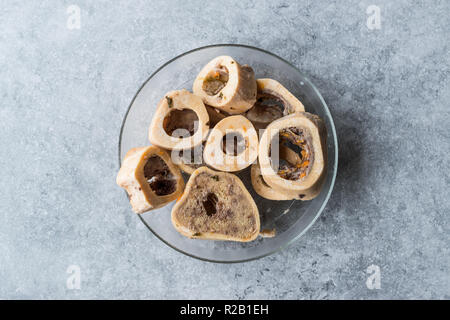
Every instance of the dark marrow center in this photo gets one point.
(185, 119)
(296, 155)
(233, 143)
(215, 80)
(159, 177)
(210, 204)
(266, 109)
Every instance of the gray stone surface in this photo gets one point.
(64, 93)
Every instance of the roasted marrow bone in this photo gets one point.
(232, 144)
(180, 122)
(226, 85)
(273, 101)
(216, 206)
(304, 170)
(150, 178)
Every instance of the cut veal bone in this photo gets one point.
(272, 102)
(216, 206)
(238, 151)
(180, 122)
(306, 131)
(150, 178)
(224, 84)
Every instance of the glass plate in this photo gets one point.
(291, 219)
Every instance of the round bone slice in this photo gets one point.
(216, 206)
(150, 178)
(224, 84)
(214, 154)
(272, 102)
(180, 122)
(307, 176)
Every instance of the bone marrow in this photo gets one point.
(232, 145)
(180, 122)
(150, 178)
(159, 177)
(216, 206)
(299, 142)
(226, 85)
(273, 101)
(301, 169)
(184, 119)
(215, 80)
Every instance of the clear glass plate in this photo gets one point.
(291, 219)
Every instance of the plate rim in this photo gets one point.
(334, 135)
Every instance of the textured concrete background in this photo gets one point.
(64, 93)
